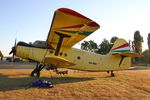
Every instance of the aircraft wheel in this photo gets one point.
(112, 74)
(35, 73)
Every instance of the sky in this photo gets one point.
(30, 20)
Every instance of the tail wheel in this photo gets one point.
(112, 74)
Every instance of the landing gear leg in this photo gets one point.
(112, 74)
(36, 71)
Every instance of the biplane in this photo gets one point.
(68, 28)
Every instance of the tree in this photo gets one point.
(137, 43)
(146, 56)
(30, 42)
(84, 45)
(90, 46)
(113, 39)
(148, 41)
(104, 47)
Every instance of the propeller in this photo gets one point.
(13, 50)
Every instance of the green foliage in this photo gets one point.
(102, 48)
(146, 56)
(148, 40)
(138, 37)
(90, 46)
(30, 42)
(137, 43)
(113, 39)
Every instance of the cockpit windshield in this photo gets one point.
(41, 44)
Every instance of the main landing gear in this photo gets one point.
(111, 74)
(36, 71)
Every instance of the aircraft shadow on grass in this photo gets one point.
(7, 83)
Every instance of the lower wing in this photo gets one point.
(59, 62)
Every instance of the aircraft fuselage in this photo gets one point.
(83, 60)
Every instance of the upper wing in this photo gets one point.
(71, 24)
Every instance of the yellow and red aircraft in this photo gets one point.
(68, 28)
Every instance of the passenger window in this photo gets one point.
(78, 57)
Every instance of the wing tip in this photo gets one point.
(93, 24)
(72, 12)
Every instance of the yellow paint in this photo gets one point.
(83, 60)
(57, 61)
(60, 20)
(71, 57)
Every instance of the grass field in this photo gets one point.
(15, 84)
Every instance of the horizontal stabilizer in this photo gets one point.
(127, 54)
(57, 61)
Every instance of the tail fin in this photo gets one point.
(122, 48)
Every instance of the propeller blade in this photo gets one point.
(13, 50)
(15, 42)
(10, 52)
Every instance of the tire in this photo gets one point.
(112, 74)
(35, 73)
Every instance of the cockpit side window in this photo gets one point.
(40, 44)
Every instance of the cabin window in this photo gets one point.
(78, 58)
(39, 42)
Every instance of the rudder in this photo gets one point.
(120, 46)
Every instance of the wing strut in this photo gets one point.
(122, 57)
(61, 37)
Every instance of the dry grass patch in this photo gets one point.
(127, 85)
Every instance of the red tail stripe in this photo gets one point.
(124, 45)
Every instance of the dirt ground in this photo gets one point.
(15, 84)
